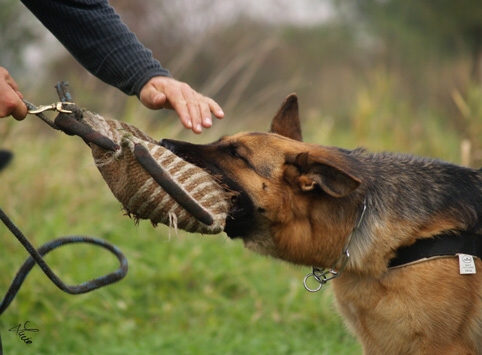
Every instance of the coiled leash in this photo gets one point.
(36, 258)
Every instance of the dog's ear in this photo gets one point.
(287, 121)
(318, 172)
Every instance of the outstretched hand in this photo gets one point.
(11, 103)
(194, 109)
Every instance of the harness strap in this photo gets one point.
(443, 245)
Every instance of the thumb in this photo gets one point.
(20, 110)
(152, 98)
(19, 113)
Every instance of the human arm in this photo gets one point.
(96, 36)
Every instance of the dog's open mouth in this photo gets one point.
(240, 219)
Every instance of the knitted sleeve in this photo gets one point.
(95, 35)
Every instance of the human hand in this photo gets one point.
(10, 98)
(193, 109)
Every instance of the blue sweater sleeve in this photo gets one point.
(95, 35)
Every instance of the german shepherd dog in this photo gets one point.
(354, 212)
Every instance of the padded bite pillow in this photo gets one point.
(140, 194)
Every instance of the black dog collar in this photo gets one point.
(447, 244)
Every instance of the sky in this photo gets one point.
(201, 14)
(306, 12)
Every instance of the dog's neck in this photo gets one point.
(322, 276)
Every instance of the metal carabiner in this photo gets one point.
(56, 106)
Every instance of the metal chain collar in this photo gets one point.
(322, 276)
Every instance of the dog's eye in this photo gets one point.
(234, 152)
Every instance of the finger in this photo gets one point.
(205, 112)
(11, 104)
(152, 98)
(195, 116)
(215, 108)
(207, 120)
(182, 110)
(191, 99)
(158, 100)
(20, 111)
(180, 105)
(209, 107)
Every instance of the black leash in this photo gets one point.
(36, 258)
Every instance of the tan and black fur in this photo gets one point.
(299, 202)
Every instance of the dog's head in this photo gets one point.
(290, 193)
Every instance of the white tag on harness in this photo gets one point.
(466, 264)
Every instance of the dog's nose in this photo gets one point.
(166, 143)
(171, 144)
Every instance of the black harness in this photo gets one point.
(443, 245)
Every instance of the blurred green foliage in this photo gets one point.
(17, 31)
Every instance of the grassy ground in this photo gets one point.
(184, 294)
